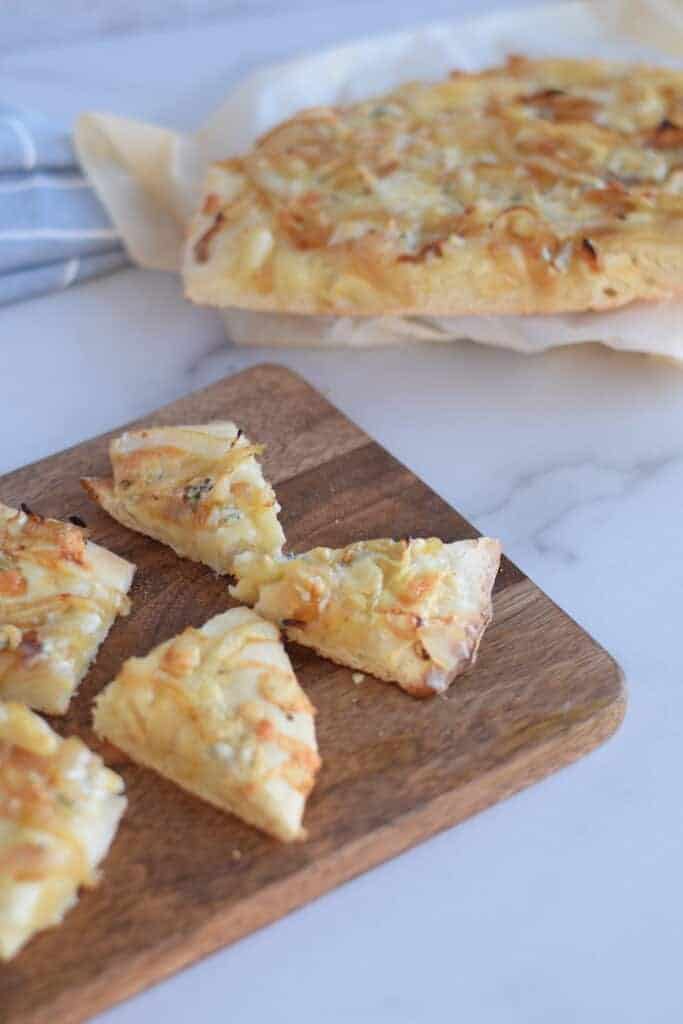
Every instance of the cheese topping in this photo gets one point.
(59, 810)
(59, 595)
(340, 209)
(411, 612)
(199, 489)
(219, 711)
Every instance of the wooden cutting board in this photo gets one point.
(183, 879)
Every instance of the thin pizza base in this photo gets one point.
(219, 711)
(534, 188)
(410, 612)
(537, 187)
(59, 596)
(59, 811)
(199, 489)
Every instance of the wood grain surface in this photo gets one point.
(395, 770)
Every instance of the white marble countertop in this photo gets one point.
(564, 903)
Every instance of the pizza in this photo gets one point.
(411, 612)
(59, 596)
(536, 187)
(59, 811)
(199, 489)
(219, 711)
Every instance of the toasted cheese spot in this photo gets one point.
(59, 811)
(199, 489)
(411, 612)
(12, 582)
(212, 204)
(183, 655)
(470, 195)
(265, 729)
(59, 595)
(72, 544)
(219, 711)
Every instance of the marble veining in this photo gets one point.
(545, 504)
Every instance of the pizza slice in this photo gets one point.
(59, 811)
(410, 612)
(59, 596)
(199, 489)
(219, 711)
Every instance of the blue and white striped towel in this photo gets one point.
(53, 229)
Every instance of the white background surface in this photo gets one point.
(565, 903)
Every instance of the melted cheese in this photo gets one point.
(411, 612)
(199, 489)
(410, 202)
(219, 711)
(59, 595)
(59, 810)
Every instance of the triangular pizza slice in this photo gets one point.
(59, 596)
(199, 489)
(411, 612)
(219, 711)
(59, 811)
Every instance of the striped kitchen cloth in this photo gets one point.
(53, 229)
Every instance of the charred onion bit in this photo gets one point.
(589, 253)
(202, 247)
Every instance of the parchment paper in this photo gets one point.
(150, 177)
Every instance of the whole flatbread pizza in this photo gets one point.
(537, 187)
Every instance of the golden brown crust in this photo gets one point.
(98, 488)
(539, 187)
